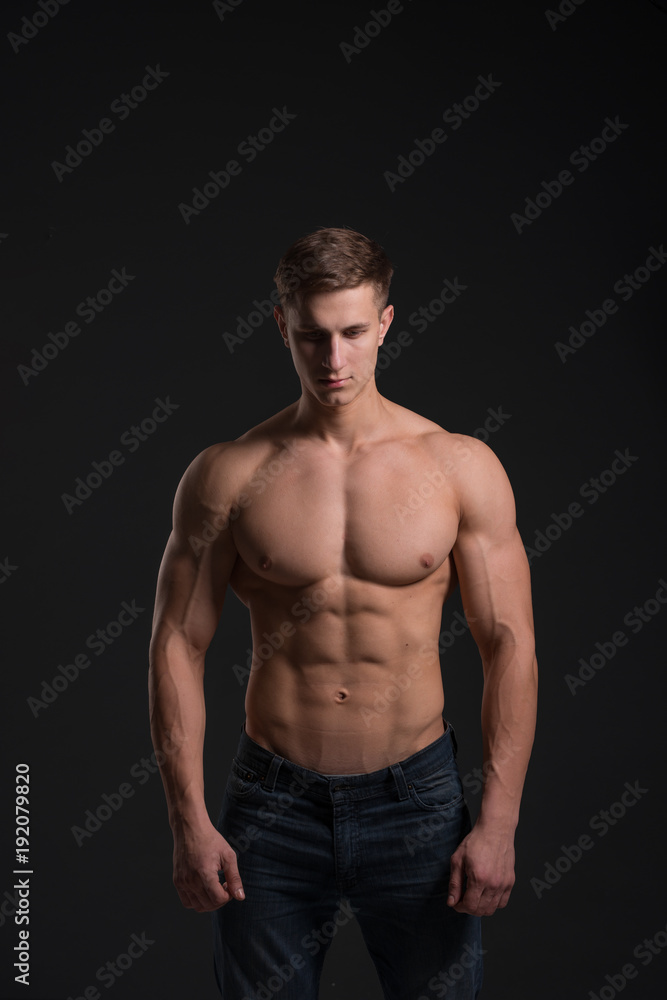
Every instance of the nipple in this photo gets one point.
(265, 563)
(427, 560)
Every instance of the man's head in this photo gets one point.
(333, 316)
(331, 259)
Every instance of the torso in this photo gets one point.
(344, 563)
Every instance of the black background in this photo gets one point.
(162, 337)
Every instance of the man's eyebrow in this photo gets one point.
(309, 328)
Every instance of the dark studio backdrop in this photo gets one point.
(135, 334)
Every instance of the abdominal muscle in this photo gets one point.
(350, 690)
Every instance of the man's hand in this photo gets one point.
(198, 857)
(486, 859)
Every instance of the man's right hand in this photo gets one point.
(197, 860)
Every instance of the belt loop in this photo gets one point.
(269, 781)
(399, 778)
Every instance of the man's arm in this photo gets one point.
(191, 588)
(494, 578)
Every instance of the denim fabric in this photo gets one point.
(316, 850)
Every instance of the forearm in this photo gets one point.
(509, 705)
(178, 719)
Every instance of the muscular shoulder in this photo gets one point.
(217, 475)
(486, 500)
(474, 473)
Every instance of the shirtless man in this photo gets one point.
(344, 797)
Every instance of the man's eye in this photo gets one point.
(315, 334)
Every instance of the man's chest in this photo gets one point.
(389, 518)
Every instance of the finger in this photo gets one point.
(481, 902)
(504, 898)
(496, 897)
(200, 898)
(192, 899)
(213, 892)
(471, 900)
(194, 893)
(455, 882)
(232, 878)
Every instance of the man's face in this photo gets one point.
(334, 338)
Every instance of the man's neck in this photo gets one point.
(346, 426)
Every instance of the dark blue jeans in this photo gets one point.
(315, 850)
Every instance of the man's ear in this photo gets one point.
(282, 324)
(385, 322)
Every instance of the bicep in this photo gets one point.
(490, 559)
(196, 565)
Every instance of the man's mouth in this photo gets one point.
(333, 383)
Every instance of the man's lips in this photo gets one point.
(333, 382)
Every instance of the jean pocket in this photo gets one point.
(242, 781)
(438, 791)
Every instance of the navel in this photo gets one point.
(265, 563)
(427, 560)
(341, 695)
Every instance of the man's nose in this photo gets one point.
(333, 357)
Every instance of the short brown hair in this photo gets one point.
(331, 259)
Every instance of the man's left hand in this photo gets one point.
(484, 862)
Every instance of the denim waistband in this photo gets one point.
(273, 770)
